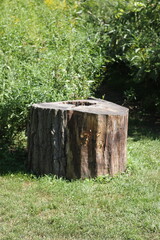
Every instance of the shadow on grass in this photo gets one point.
(12, 161)
(143, 126)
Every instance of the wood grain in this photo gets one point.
(77, 139)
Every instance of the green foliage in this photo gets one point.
(53, 50)
(133, 52)
(49, 52)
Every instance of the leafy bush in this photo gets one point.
(51, 51)
(133, 52)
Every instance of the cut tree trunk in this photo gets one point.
(77, 139)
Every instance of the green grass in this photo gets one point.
(124, 207)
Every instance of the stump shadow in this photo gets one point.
(141, 127)
(12, 161)
(141, 124)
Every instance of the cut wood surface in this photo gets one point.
(77, 139)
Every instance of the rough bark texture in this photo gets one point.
(77, 139)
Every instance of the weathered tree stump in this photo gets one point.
(77, 139)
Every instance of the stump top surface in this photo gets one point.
(95, 106)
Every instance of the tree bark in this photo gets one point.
(77, 139)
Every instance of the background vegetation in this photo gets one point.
(55, 50)
(49, 52)
(133, 52)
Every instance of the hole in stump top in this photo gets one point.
(77, 103)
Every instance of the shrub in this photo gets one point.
(51, 51)
(133, 52)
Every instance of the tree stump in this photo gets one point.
(77, 139)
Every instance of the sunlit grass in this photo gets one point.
(121, 207)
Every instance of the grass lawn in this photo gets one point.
(124, 207)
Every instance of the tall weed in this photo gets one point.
(50, 51)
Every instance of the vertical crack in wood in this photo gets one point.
(73, 145)
(58, 141)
